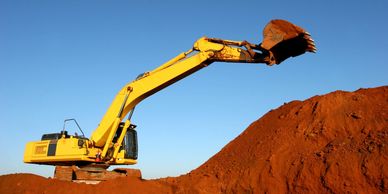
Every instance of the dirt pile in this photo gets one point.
(335, 143)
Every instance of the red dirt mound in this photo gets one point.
(335, 143)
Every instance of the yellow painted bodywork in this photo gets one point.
(204, 52)
(67, 151)
(107, 140)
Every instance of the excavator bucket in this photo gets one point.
(283, 39)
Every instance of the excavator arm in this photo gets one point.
(204, 52)
(279, 43)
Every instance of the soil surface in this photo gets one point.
(334, 143)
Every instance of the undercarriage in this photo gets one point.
(92, 174)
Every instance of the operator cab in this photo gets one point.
(130, 141)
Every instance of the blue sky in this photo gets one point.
(68, 59)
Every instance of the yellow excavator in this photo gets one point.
(114, 141)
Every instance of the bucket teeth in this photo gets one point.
(310, 43)
(313, 50)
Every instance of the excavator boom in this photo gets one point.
(114, 141)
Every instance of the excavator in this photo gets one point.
(114, 141)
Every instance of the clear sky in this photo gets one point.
(68, 59)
